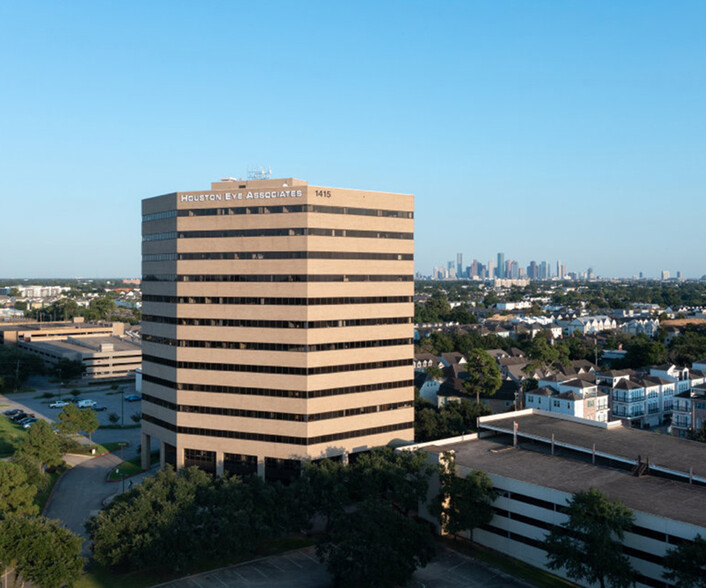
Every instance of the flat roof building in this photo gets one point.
(104, 357)
(277, 324)
(538, 460)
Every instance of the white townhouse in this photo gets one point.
(587, 325)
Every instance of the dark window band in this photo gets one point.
(247, 300)
(279, 232)
(276, 438)
(238, 210)
(276, 278)
(263, 324)
(278, 393)
(279, 416)
(249, 255)
(258, 346)
(277, 369)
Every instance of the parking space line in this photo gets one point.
(292, 561)
(217, 576)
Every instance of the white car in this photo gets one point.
(58, 404)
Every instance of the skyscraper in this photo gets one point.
(501, 265)
(459, 265)
(277, 324)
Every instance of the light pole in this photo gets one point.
(122, 476)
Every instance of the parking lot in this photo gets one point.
(112, 401)
(301, 569)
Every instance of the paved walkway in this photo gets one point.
(82, 491)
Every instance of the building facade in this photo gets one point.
(537, 461)
(277, 324)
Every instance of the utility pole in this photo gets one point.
(17, 376)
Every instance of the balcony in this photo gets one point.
(622, 398)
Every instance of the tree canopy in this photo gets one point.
(16, 494)
(42, 445)
(452, 419)
(463, 503)
(685, 565)
(483, 375)
(40, 551)
(589, 544)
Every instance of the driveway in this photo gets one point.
(82, 491)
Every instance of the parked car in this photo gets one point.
(99, 408)
(27, 423)
(20, 415)
(26, 419)
(12, 412)
(59, 404)
(86, 403)
(133, 397)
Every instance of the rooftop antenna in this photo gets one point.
(259, 173)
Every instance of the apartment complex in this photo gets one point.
(277, 324)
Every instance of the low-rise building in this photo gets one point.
(105, 358)
(689, 414)
(537, 461)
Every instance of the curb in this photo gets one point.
(51, 494)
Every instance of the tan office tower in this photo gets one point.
(277, 324)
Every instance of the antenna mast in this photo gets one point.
(259, 173)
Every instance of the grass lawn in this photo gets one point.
(100, 577)
(131, 467)
(10, 436)
(514, 567)
(100, 449)
(41, 498)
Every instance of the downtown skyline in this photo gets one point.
(551, 130)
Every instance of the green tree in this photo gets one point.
(41, 445)
(88, 422)
(16, 495)
(32, 469)
(483, 375)
(435, 372)
(375, 546)
(685, 565)
(174, 519)
(463, 504)
(375, 543)
(642, 352)
(40, 551)
(69, 369)
(326, 487)
(68, 421)
(589, 544)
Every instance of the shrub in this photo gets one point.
(136, 417)
(75, 392)
(48, 395)
(113, 417)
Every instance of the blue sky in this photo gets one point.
(563, 129)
